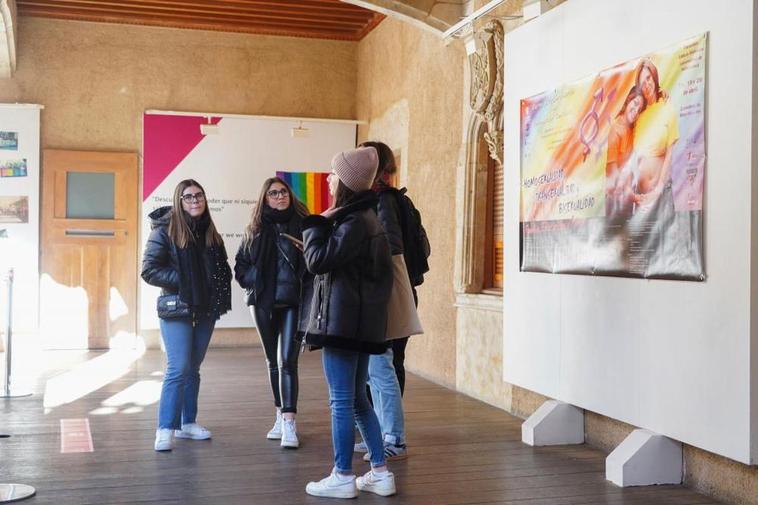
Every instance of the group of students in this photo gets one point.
(335, 281)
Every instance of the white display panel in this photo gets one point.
(19, 241)
(673, 357)
(232, 165)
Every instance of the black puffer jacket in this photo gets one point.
(389, 215)
(350, 256)
(289, 270)
(160, 265)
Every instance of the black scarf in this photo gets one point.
(263, 252)
(193, 278)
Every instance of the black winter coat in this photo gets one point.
(160, 264)
(289, 266)
(350, 256)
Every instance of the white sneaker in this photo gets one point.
(275, 433)
(333, 486)
(392, 452)
(164, 439)
(289, 434)
(193, 431)
(382, 484)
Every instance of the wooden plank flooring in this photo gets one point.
(462, 451)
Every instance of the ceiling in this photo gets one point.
(325, 19)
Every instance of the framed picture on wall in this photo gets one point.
(9, 141)
(14, 209)
(13, 168)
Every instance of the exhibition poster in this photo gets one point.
(612, 170)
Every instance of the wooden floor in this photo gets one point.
(461, 451)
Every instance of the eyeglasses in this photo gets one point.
(276, 193)
(197, 197)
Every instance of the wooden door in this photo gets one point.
(88, 250)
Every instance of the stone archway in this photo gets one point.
(434, 15)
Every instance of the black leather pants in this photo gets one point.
(278, 331)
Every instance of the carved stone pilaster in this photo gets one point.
(484, 139)
(486, 94)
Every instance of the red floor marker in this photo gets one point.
(76, 436)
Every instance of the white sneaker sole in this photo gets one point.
(327, 493)
(380, 492)
(181, 434)
(289, 444)
(163, 447)
(274, 436)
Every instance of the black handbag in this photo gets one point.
(171, 307)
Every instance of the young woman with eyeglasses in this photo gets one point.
(269, 266)
(185, 256)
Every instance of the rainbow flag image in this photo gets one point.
(310, 188)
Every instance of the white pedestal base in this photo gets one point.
(645, 458)
(554, 423)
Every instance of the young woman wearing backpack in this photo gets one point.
(387, 371)
(346, 248)
(269, 266)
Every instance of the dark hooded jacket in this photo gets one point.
(161, 266)
(350, 257)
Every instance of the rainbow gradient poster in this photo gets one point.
(613, 170)
(310, 188)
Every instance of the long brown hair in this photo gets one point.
(179, 230)
(256, 216)
(650, 66)
(633, 93)
(387, 164)
(342, 195)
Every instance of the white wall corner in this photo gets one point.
(554, 423)
(534, 8)
(754, 251)
(645, 458)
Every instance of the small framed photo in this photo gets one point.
(9, 141)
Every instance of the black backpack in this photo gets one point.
(416, 248)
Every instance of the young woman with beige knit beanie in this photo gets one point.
(347, 250)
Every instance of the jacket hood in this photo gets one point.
(160, 216)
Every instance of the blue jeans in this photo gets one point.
(387, 398)
(346, 373)
(185, 345)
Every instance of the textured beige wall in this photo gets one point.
(479, 363)
(721, 478)
(95, 80)
(395, 62)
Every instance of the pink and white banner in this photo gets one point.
(231, 164)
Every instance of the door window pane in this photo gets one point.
(90, 195)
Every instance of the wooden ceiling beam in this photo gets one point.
(193, 8)
(79, 8)
(183, 21)
(326, 19)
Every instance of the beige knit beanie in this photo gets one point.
(356, 168)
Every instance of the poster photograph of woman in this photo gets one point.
(612, 170)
